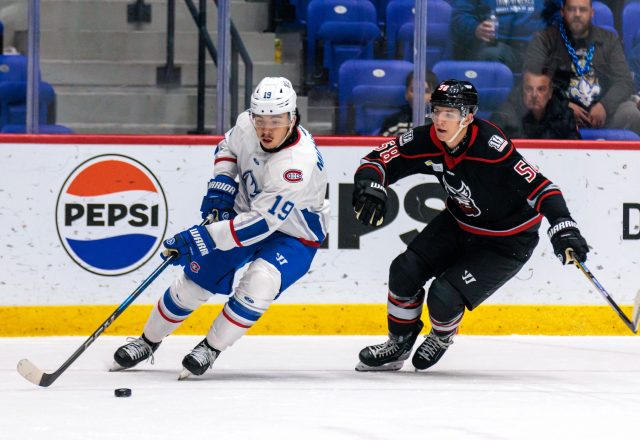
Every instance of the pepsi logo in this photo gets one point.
(292, 176)
(111, 215)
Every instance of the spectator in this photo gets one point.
(537, 110)
(588, 64)
(402, 121)
(476, 38)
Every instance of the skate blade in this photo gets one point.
(116, 367)
(391, 366)
(184, 374)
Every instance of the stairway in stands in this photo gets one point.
(103, 68)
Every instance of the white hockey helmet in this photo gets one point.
(273, 96)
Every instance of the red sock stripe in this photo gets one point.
(402, 321)
(173, 321)
(404, 305)
(452, 323)
(233, 321)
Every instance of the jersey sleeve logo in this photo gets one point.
(497, 142)
(292, 176)
(406, 138)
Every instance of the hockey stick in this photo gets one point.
(35, 375)
(633, 325)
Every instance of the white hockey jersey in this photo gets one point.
(282, 191)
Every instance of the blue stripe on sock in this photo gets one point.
(243, 311)
(172, 306)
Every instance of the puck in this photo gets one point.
(122, 392)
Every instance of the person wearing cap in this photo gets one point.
(267, 203)
(495, 203)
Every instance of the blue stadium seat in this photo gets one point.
(42, 129)
(13, 102)
(381, 8)
(400, 28)
(13, 68)
(493, 80)
(602, 16)
(398, 13)
(347, 30)
(369, 91)
(609, 134)
(630, 26)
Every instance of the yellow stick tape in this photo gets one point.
(315, 319)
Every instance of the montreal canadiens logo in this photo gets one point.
(111, 215)
(292, 176)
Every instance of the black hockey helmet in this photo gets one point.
(456, 94)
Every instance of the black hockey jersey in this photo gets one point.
(492, 189)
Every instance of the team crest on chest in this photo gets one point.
(250, 184)
(462, 196)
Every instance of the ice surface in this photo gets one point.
(298, 387)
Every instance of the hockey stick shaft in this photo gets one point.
(633, 326)
(33, 374)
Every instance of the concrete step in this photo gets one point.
(138, 105)
(64, 72)
(111, 15)
(134, 128)
(139, 46)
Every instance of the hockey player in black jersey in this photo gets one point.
(488, 231)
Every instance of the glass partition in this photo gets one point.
(131, 66)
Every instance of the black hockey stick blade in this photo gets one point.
(33, 374)
(633, 326)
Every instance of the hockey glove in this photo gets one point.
(369, 202)
(188, 246)
(567, 242)
(220, 197)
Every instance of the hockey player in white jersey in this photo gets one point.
(274, 220)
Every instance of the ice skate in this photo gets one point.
(131, 354)
(390, 355)
(199, 360)
(431, 350)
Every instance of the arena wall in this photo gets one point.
(71, 254)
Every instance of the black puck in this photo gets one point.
(122, 392)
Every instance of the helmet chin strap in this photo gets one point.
(462, 127)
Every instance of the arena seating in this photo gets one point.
(492, 79)
(368, 91)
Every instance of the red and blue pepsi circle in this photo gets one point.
(111, 215)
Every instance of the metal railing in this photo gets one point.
(169, 75)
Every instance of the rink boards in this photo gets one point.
(84, 217)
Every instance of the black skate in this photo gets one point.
(390, 355)
(199, 360)
(131, 354)
(431, 350)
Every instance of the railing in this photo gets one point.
(169, 74)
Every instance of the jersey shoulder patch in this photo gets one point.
(497, 143)
(293, 175)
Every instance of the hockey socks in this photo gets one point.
(404, 313)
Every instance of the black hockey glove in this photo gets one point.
(369, 202)
(567, 241)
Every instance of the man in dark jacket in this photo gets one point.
(536, 110)
(589, 66)
(494, 30)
